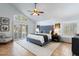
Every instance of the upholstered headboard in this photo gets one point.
(45, 29)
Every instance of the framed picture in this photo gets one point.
(5, 20)
(0, 28)
(4, 24)
(4, 28)
(0, 20)
(57, 25)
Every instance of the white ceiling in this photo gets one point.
(52, 10)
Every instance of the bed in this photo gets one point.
(41, 38)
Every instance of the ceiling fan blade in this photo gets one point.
(41, 12)
(38, 14)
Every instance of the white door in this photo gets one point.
(24, 31)
(20, 31)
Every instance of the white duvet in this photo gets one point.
(49, 35)
(38, 37)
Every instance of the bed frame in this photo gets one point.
(43, 29)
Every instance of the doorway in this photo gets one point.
(24, 31)
(20, 31)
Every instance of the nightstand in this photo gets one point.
(56, 38)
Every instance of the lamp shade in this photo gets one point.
(37, 30)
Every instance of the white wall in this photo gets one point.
(63, 21)
(7, 10)
(71, 20)
(47, 22)
(31, 26)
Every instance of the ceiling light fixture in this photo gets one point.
(35, 11)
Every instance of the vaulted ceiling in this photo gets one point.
(51, 10)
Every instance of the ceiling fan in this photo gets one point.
(35, 11)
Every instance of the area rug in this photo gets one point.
(46, 50)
